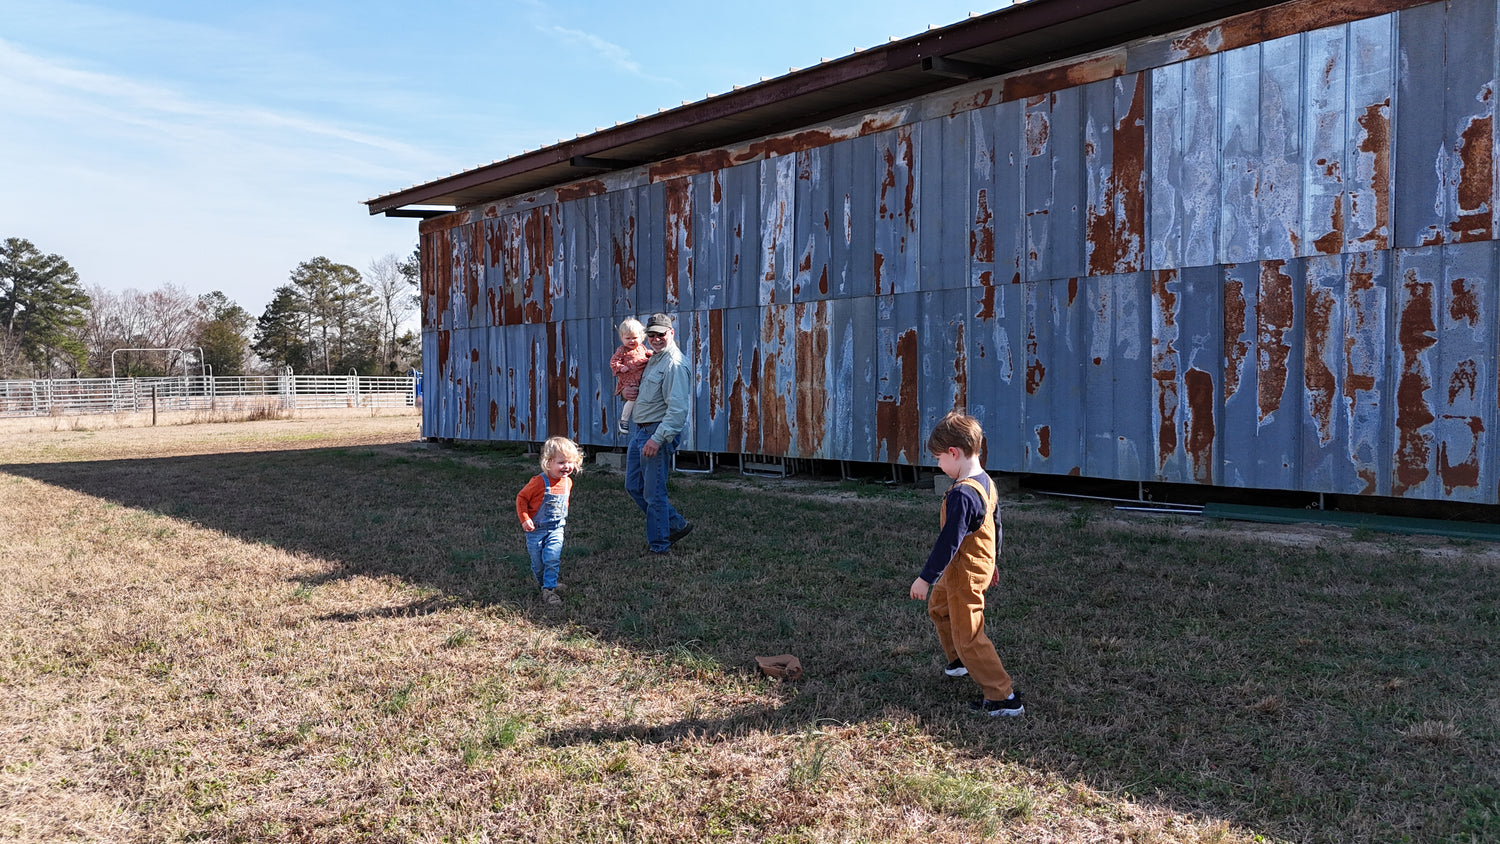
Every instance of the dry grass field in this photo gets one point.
(323, 630)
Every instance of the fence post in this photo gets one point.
(153, 405)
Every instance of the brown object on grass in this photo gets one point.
(783, 667)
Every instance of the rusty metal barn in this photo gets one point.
(1249, 245)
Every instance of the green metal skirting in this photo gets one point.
(1370, 521)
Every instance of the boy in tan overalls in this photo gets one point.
(962, 565)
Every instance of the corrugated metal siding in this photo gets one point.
(1202, 259)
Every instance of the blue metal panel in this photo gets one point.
(1420, 198)
(980, 124)
(1116, 417)
(1055, 377)
(1167, 392)
(777, 229)
(1278, 193)
(897, 402)
(851, 253)
(577, 285)
(1239, 164)
(1053, 186)
(742, 201)
(1325, 79)
(710, 239)
(997, 374)
(1009, 198)
(943, 383)
(651, 273)
(896, 248)
(853, 365)
(943, 219)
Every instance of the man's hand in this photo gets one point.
(650, 448)
(919, 589)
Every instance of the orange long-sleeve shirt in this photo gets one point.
(529, 499)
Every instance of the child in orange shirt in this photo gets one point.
(627, 363)
(542, 506)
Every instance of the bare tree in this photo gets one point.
(389, 281)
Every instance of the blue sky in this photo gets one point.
(217, 145)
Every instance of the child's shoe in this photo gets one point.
(624, 427)
(956, 669)
(1009, 707)
(549, 596)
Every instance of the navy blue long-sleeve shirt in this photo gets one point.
(963, 514)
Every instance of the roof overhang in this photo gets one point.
(1018, 37)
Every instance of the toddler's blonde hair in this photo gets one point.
(632, 327)
(555, 446)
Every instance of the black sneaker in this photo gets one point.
(956, 669)
(678, 534)
(1009, 707)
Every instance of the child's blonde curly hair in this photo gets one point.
(555, 446)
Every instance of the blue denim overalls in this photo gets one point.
(545, 543)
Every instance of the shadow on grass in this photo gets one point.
(1284, 688)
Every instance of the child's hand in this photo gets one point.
(995, 578)
(527, 525)
(919, 589)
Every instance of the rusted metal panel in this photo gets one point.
(813, 227)
(1470, 173)
(1416, 370)
(778, 380)
(677, 249)
(944, 375)
(1261, 433)
(1366, 383)
(650, 250)
(577, 289)
(898, 411)
(1464, 407)
(813, 378)
(705, 348)
(943, 216)
(742, 374)
(1325, 428)
(1114, 153)
(1371, 86)
(896, 249)
(620, 270)
(777, 229)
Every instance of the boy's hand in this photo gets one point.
(919, 589)
(995, 578)
(527, 525)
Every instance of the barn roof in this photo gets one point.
(1014, 38)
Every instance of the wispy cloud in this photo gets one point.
(610, 52)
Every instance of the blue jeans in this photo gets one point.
(646, 481)
(545, 546)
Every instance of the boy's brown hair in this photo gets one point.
(956, 430)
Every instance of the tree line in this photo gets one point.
(328, 319)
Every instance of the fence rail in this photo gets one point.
(65, 397)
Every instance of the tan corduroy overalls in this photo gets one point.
(956, 604)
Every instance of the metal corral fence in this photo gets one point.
(64, 397)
